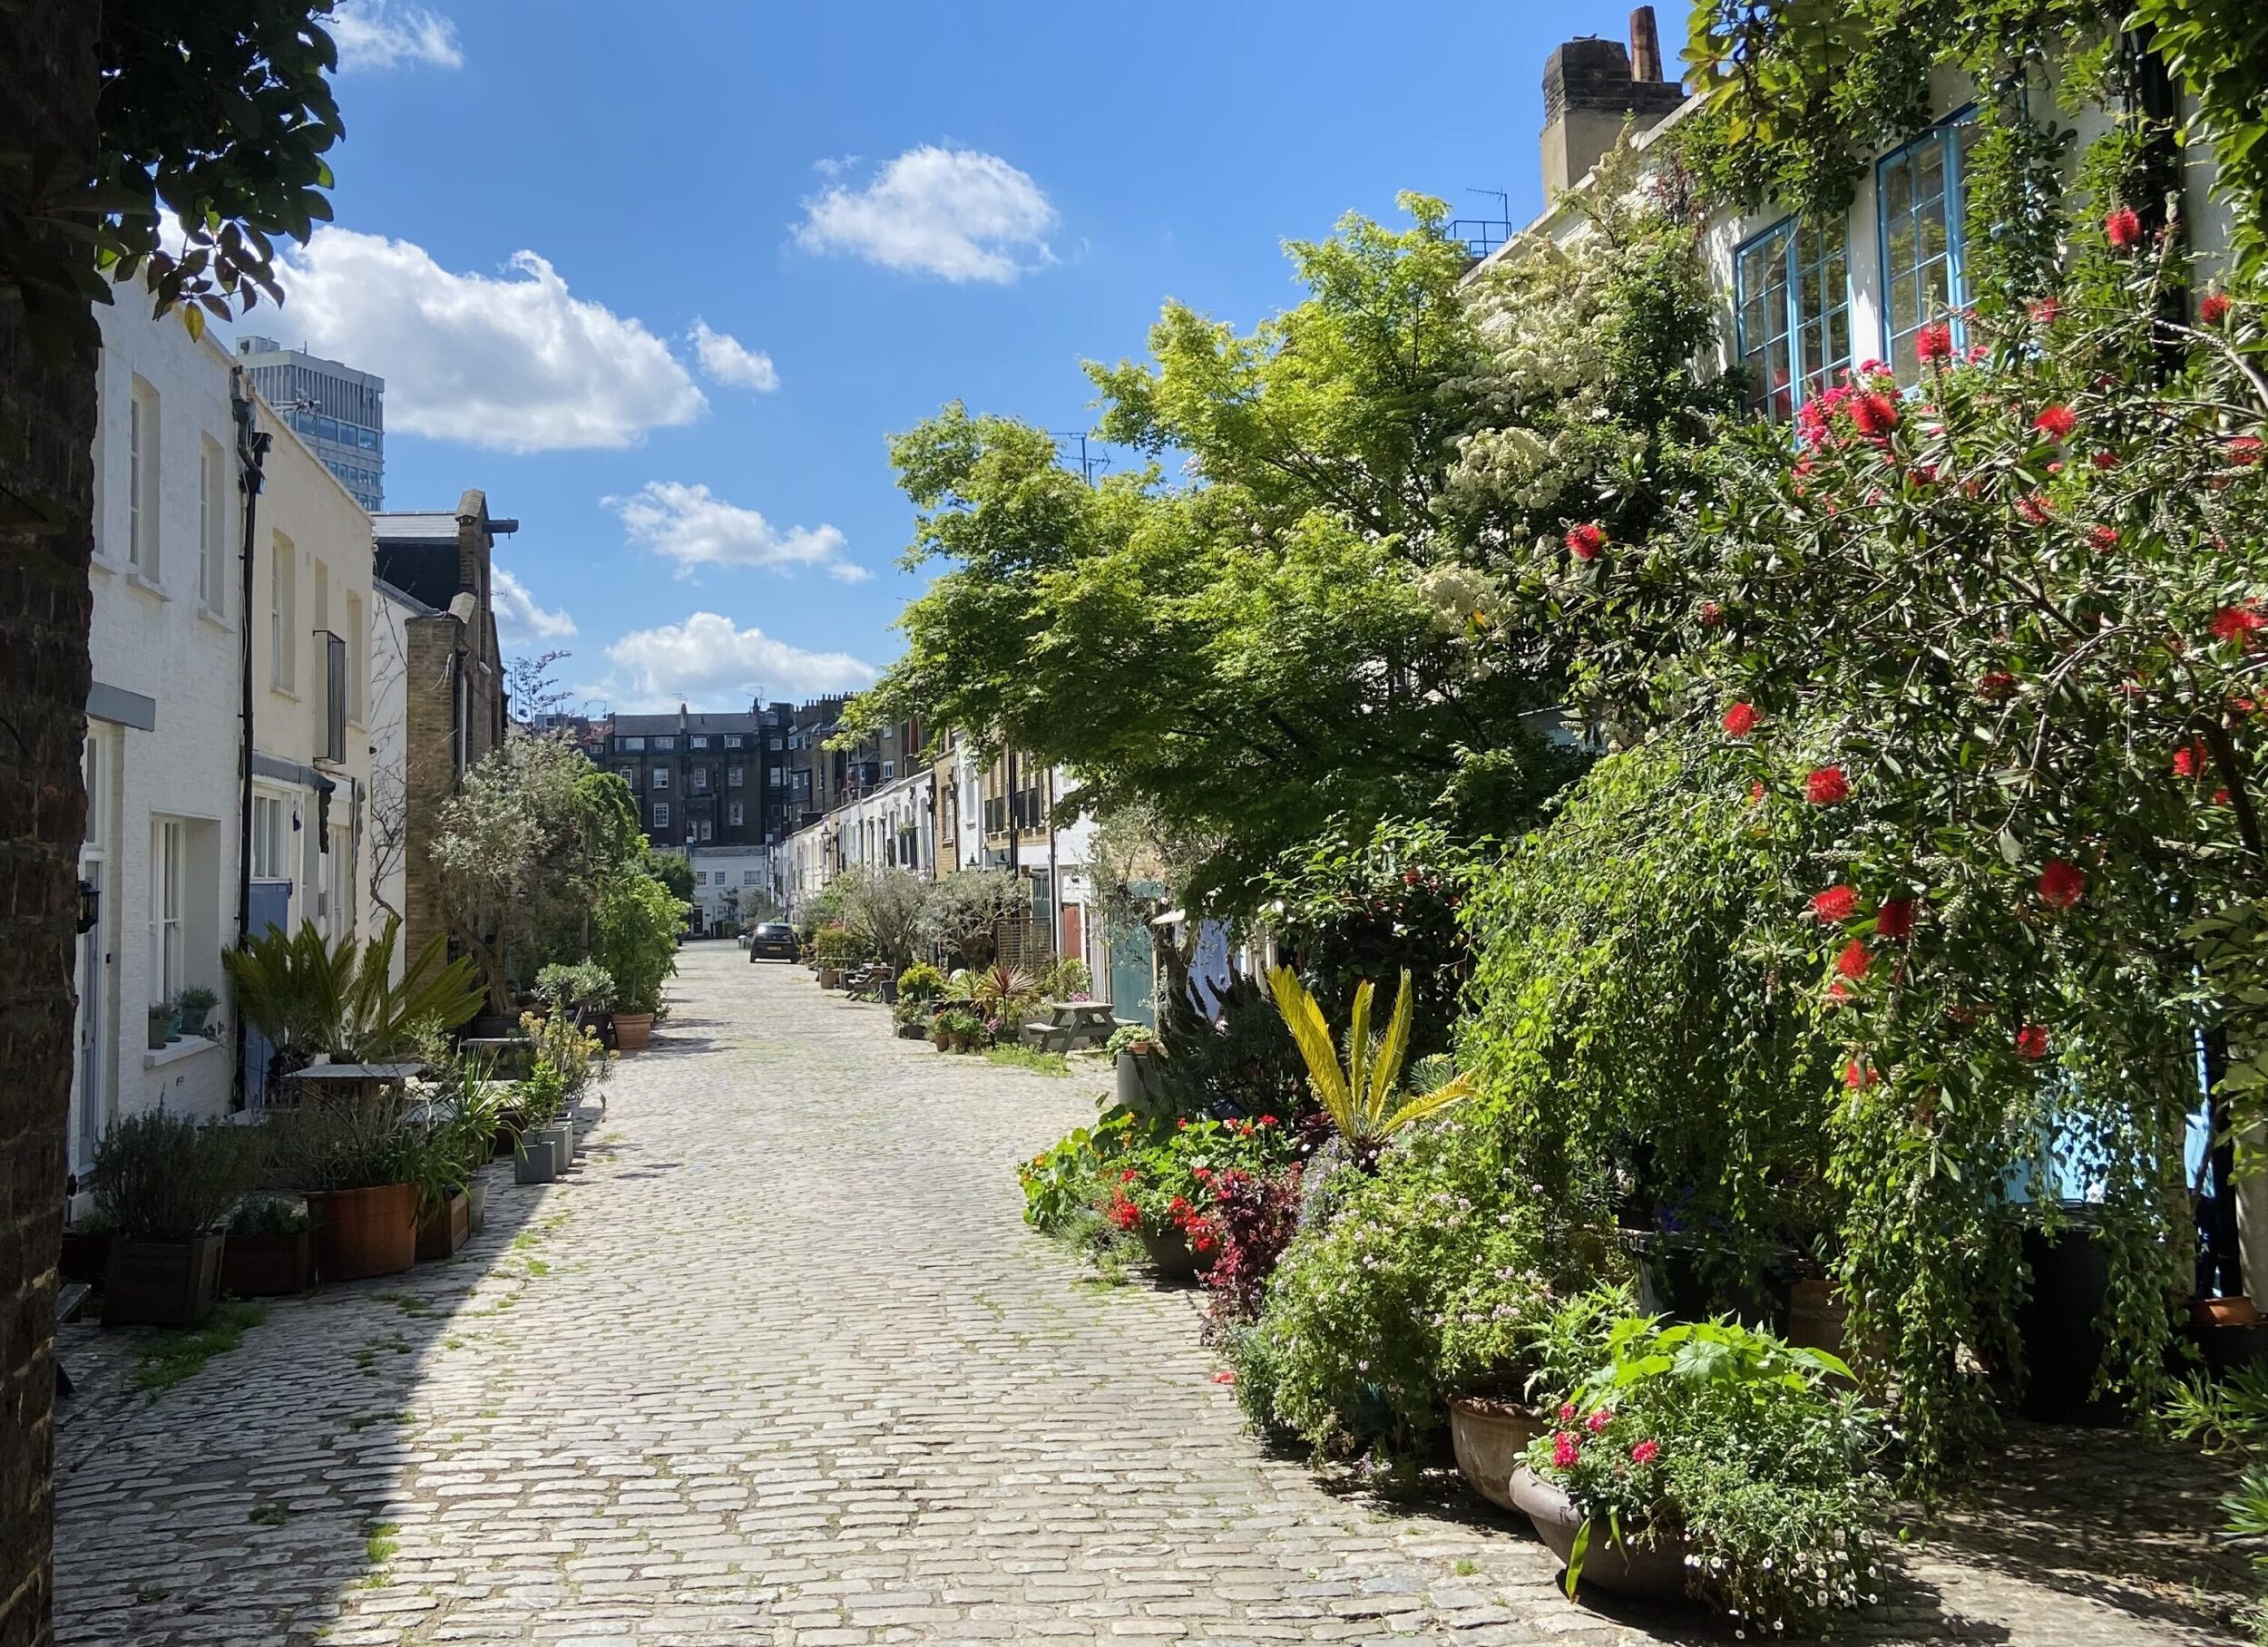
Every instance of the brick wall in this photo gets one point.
(430, 775)
(48, 406)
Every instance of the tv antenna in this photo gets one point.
(1090, 460)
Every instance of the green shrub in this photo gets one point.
(635, 939)
(585, 983)
(1065, 1180)
(267, 1215)
(1738, 1442)
(161, 1176)
(1128, 1036)
(921, 982)
(840, 947)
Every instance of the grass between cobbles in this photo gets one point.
(1025, 1057)
(171, 1357)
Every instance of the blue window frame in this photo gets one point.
(1791, 302)
(1919, 200)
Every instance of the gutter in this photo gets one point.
(251, 454)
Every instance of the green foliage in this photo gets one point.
(1733, 1440)
(1363, 1097)
(161, 1176)
(2218, 51)
(921, 982)
(1130, 1037)
(1014, 1055)
(1242, 1061)
(840, 946)
(167, 1358)
(635, 938)
(585, 984)
(2232, 1416)
(887, 907)
(344, 1146)
(672, 869)
(307, 994)
(267, 1215)
(962, 908)
(1163, 1178)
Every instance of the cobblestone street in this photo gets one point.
(778, 1363)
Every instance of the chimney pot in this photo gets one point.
(1646, 45)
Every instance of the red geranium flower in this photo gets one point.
(2057, 421)
(1585, 541)
(2061, 884)
(1646, 1452)
(2123, 227)
(1894, 919)
(2214, 307)
(1854, 961)
(2237, 624)
(1825, 786)
(2031, 1042)
(1836, 904)
(1934, 343)
(1740, 720)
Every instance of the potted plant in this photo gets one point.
(1711, 1461)
(194, 1007)
(635, 940)
(359, 1166)
(541, 1154)
(1134, 1050)
(958, 1030)
(164, 1184)
(1508, 1338)
(164, 1024)
(271, 1249)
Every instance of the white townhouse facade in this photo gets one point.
(732, 883)
(158, 868)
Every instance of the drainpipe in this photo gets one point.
(251, 453)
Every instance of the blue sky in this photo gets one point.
(870, 210)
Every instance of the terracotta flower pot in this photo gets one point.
(2236, 1311)
(1656, 1572)
(160, 1284)
(446, 1228)
(1489, 1436)
(632, 1030)
(269, 1266)
(365, 1232)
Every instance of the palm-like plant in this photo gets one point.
(306, 994)
(1363, 1094)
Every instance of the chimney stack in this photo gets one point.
(1591, 88)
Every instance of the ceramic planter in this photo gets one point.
(160, 1284)
(562, 1133)
(446, 1228)
(367, 1231)
(477, 1202)
(269, 1266)
(632, 1030)
(1490, 1436)
(160, 1031)
(1137, 1074)
(85, 1257)
(830, 977)
(532, 1161)
(1169, 1255)
(1649, 1573)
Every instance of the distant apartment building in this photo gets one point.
(820, 778)
(339, 413)
(700, 780)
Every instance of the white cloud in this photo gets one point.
(518, 619)
(730, 362)
(514, 365)
(694, 527)
(380, 34)
(708, 659)
(955, 213)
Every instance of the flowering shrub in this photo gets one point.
(1065, 1181)
(1169, 1182)
(1735, 1442)
(1252, 1219)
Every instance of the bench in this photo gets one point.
(1072, 1025)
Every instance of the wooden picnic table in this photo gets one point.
(1071, 1025)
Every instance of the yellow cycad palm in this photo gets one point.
(1363, 1096)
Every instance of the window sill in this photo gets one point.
(103, 563)
(150, 587)
(173, 1052)
(285, 692)
(214, 621)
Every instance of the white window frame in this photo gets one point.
(662, 814)
(142, 431)
(212, 501)
(661, 777)
(271, 837)
(708, 829)
(168, 838)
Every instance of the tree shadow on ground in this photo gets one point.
(253, 1501)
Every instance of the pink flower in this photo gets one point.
(1598, 1420)
(2057, 421)
(1740, 720)
(1646, 1452)
(1585, 541)
(1567, 1412)
(1565, 1448)
(2123, 228)
(1224, 1375)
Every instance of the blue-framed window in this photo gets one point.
(1918, 193)
(1792, 299)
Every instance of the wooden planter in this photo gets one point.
(160, 1284)
(85, 1257)
(446, 1228)
(1489, 1437)
(363, 1232)
(269, 1266)
(632, 1030)
(1649, 1572)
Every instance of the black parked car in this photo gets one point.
(776, 939)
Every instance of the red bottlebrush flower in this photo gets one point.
(2105, 537)
(2033, 508)
(1646, 1452)
(1857, 1077)
(1894, 919)
(1874, 414)
(2107, 460)
(1585, 541)
(1838, 992)
(2031, 1042)
(2191, 759)
(2237, 624)
(2214, 307)
(2044, 311)
(1853, 962)
(1565, 1448)
(1598, 1420)
(1994, 684)
(2220, 797)
(2123, 228)
(1755, 793)
(2243, 450)
(1826, 785)
(1836, 904)
(1740, 720)
(2062, 883)
(1711, 612)
(2057, 421)
(1934, 343)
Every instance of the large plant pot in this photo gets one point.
(2059, 1326)
(830, 977)
(562, 1137)
(1490, 1436)
(364, 1232)
(1650, 1573)
(632, 1030)
(446, 1228)
(191, 1019)
(85, 1257)
(533, 1161)
(160, 1284)
(1139, 1089)
(476, 1203)
(1818, 1316)
(1169, 1255)
(269, 1266)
